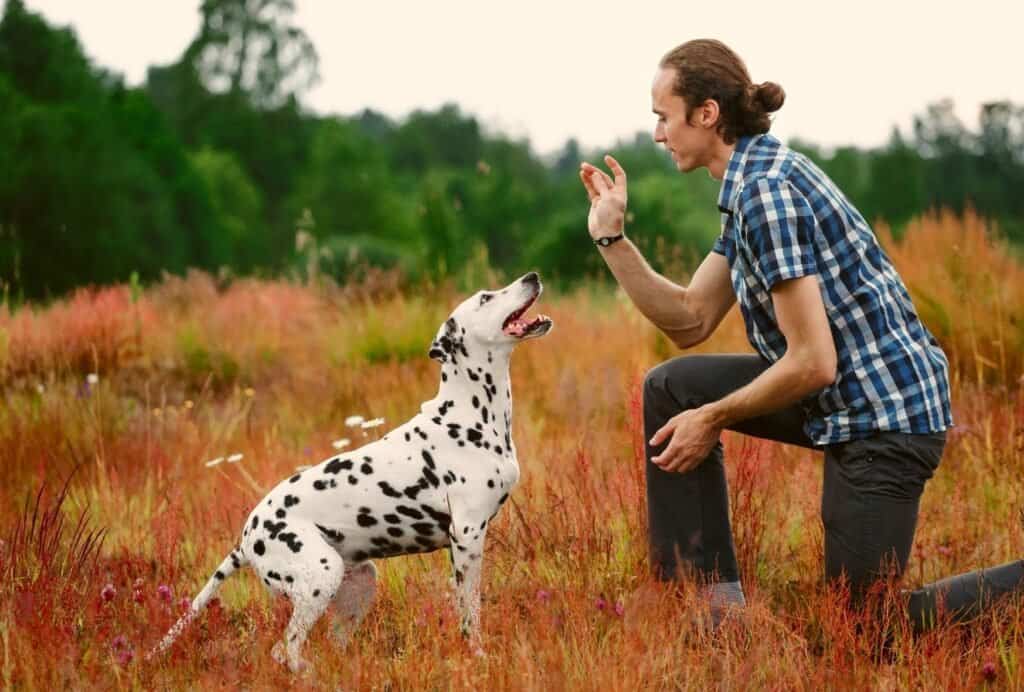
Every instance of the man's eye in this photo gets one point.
(484, 298)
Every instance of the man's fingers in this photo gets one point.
(617, 170)
(591, 191)
(662, 433)
(600, 181)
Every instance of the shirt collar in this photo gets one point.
(734, 173)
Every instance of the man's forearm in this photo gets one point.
(783, 384)
(658, 299)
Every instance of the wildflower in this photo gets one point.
(188, 403)
(164, 593)
(214, 462)
(342, 443)
(945, 550)
(620, 609)
(184, 603)
(235, 458)
(988, 671)
(250, 392)
(40, 388)
(543, 595)
(372, 423)
(119, 642)
(138, 596)
(108, 593)
(600, 603)
(353, 421)
(125, 657)
(92, 378)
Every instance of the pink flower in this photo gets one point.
(543, 595)
(184, 603)
(138, 596)
(600, 603)
(164, 593)
(125, 657)
(108, 593)
(945, 550)
(620, 609)
(138, 583)
(119, 642)
(988, 671)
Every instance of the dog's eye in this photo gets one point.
(485, 297)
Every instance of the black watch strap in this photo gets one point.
(608, 239)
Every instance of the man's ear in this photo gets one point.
(709, 114)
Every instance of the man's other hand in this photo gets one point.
(693, 436)
(607, 198)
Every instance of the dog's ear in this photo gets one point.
(442, 347)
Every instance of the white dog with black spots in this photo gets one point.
(434, 482)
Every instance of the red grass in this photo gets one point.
(92, 576)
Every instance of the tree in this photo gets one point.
(251, 47)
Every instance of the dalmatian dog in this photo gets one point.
(434, 482)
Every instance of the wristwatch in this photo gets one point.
(608, 239)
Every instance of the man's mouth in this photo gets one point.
(515, 325)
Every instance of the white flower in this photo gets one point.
(92, 378)
(40, 388)
(342, 443)
(373, 423)
(214, 462)
(234, 458)
(353, 421)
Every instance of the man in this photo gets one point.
(843, 363)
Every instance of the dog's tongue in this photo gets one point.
(520, 327)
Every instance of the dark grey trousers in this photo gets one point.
(869, 502)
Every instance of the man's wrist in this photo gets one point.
(716, 414)
(608, 240)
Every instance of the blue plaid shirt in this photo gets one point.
(783, 218)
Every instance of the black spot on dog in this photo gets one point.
(234, 561)
(497, 450)
(295, 478)
(395, 531)
(424, 528)
(428, 459)
(366, 469)
(488, 379)
(319, 485)
(290, 500)
(482, 525)
(316, 592)
(490, 483)
(323, 561)
(443, 520)
(219, 575)
(502, 499)
(476, 401)
(352, 480)
(388, 490)
(290, 540)
(336, 465)
(408, 437)
(366, 520)
(255, 521)
(280, 513)
(331, 535)
(288, 578)
(259, 548)
(392, 519)
(437, 420)
(458, 576)
(473, 376)
(474, 435)
(412, 491)
(425, 542)
(419, 432)
(274, 575)
(431, 477)
(274, 527)
(409, 512)
(359, 555)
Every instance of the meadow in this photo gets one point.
(139, 426)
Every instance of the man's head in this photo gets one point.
(704, 100)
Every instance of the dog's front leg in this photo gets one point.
(467, 551)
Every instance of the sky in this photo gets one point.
(557, 69)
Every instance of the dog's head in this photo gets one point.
(491, 319)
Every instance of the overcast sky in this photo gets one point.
(561, 68)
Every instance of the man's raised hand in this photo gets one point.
(607, 198)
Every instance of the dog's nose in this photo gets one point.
(532, 278)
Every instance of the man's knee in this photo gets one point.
(672, 383)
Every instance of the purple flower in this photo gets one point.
(108, 593)
(119, 642)
(164, 593)
(543, 595)
(125, 657)
(184, 603)
(988, 671)
(600, 603)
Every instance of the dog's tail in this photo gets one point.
(232, 562)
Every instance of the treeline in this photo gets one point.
(213, 163)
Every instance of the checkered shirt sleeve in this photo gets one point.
(780, 230)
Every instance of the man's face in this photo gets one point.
(689, 142)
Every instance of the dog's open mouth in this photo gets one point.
(515, 325)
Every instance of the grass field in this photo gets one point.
(115, 400)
